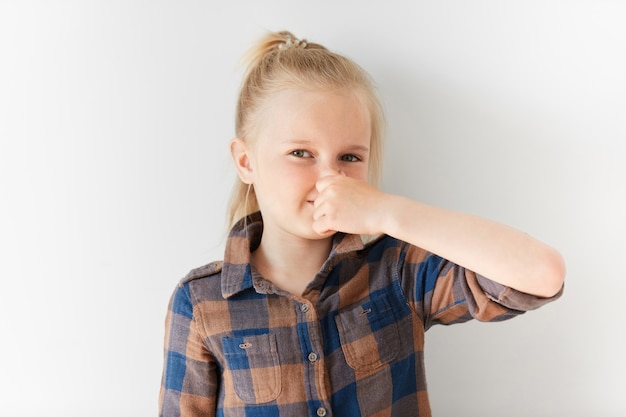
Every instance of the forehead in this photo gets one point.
(339, 113)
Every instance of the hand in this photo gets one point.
(347, 205)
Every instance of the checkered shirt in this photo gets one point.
(351, 345)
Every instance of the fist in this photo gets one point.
(348, 205)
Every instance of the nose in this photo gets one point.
(329, 168)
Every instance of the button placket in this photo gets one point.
(312, 347)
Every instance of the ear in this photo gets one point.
(241, 154)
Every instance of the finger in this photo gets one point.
(318, 212)
(320, 199)
(324, 182)
(327, 214)
(321, 228)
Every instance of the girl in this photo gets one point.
(304, 317)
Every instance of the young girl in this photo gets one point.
(302, 318)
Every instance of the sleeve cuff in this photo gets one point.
(513, 299)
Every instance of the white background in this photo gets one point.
(114, 174)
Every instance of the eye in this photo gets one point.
(300, 153)
(350, 158)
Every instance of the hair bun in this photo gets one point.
(292, 42)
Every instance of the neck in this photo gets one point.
(290, 263)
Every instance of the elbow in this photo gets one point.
(552, 274)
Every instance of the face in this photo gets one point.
(303, 136)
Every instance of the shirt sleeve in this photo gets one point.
(189, 383)
(446, 293)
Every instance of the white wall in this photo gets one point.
(114, 174)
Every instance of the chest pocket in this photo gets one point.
(254, 365)
(369, 333)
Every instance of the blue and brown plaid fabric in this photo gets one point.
(351, 345)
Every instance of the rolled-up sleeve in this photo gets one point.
(513, 299)
(446, 293)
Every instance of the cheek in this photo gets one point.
(359, 172)
(282, 176)
(290, 172)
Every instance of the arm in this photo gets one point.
(498, 252)
(190, 377)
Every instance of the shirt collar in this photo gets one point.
(245, 237)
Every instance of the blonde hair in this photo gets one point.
(279, 61)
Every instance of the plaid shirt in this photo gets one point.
(351, 345)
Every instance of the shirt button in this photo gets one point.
(304, 308)
(312, 357)
(321, 411)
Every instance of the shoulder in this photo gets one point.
(401, 259)
(208, 270)
(196, 287)
(388, 247)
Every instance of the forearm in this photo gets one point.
(493, 250)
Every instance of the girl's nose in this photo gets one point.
(330, 168)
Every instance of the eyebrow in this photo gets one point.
(306, 143)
